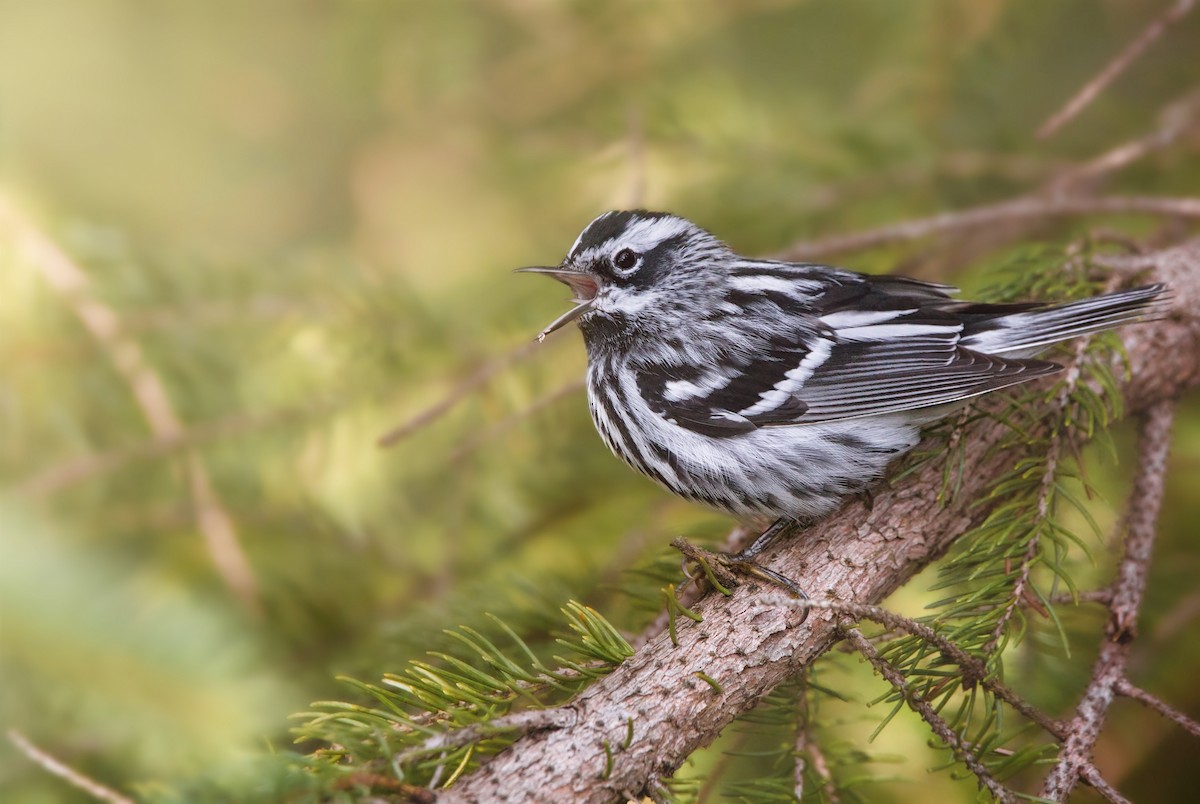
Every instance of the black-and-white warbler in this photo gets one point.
(766, 388)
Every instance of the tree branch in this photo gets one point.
(1126, 688)
(807, 746)
(1018, 209)
(1146, 500)
(457, 393)
(69, 280)
(1177, 119)
(1115, 67)
(974, 670)
(922, 707)
(57, 767)
(1091, 775)
(749, 645)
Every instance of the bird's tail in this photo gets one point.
(1030, 331)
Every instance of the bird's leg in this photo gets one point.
(765, 539)
(876, 487)
(725, 567)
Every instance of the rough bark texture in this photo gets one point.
(749, 645)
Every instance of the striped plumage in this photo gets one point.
(769, 388)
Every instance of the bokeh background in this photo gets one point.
(292, 226)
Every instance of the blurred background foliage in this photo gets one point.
(303, 216)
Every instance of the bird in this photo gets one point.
(771, 389)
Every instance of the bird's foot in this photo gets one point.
(722, 570)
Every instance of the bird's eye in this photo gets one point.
(625, 259)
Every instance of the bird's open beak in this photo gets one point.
(582, 284)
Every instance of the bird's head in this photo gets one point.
(641, 273)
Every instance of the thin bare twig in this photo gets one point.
(1114, 68)
(1125, 687)
(1103, 596)
(1146, 500)
(1091, 774)
(57, 767)
(469, 445)
(71, 282)
(460, 391)
(1175, 120)
(1019, 209)
(923, 708)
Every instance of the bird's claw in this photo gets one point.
(722, 570)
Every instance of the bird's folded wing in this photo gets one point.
(864, 370)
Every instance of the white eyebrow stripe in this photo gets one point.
(643, 235)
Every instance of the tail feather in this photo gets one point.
(1031, 331)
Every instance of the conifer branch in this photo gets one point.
(1049, 474)
(749, 646)
(1021, 593)
(516, 724)
(921, 706)
(974, 670)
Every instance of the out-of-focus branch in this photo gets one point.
(77, 470)
(57, 767)
(808, 746)
(469, 445)
(70, 281)
(1016, 210)
(462, 389)
(1175, 121)
(1060, 196)
(1091, 775)
(1115, 67)
(748, 645)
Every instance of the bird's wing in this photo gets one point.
(868, 377)
(894, 353)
